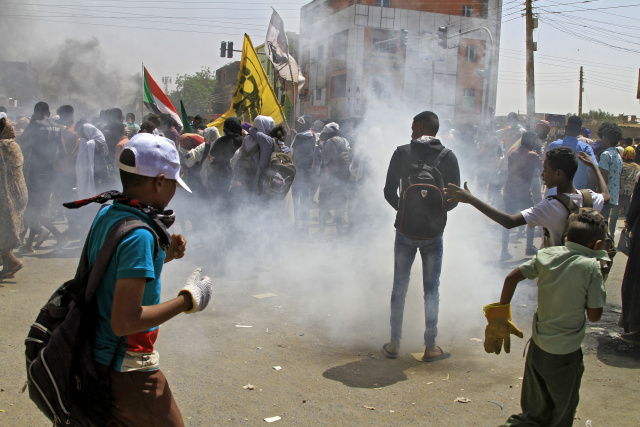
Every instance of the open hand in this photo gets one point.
(587, 160)
(177, 247)
(457, 194)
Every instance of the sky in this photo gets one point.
(180, 37)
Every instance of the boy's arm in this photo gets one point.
(128, 316)
(594, 314)
(455, 193)
(393, 181)
(601, 184)
(510, 284)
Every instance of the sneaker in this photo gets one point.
(631, 337)
(505, 256)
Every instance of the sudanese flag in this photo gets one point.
(155, 99)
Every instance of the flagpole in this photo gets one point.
(142, 100)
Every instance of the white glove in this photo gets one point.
(199, 288)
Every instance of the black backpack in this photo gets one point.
(587, 207)
(422, 214)
(277, 177)
(61, 374)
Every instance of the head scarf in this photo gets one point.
(211, 134)
(330, 130)
(317, 126)
(264, 124)
(92, 132)
(232, 126)
(189, 141)
(246, 126)
(629, 154)
(7, 132)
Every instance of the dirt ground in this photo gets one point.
(325, 329)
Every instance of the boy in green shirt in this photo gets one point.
(569, 283)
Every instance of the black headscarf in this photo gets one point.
(233, 131)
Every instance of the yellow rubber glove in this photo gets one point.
(499, 329)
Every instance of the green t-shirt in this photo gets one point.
(569, 281)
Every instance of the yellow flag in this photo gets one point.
(254, 95)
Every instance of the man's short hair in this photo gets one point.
(3, 109)
(155, 119)
(131, 116)
(574, 124)
(147, 127)
(586, 228)
(65, 111)
(564, 159)
(41, 108)
(130, 180)
(429, 120)
(612, 133)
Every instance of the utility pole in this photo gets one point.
(580, 94)
(531, 47)
(166, 81)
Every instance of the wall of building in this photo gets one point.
(422, 75)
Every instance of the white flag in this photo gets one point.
(277, 49)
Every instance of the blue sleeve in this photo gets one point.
(134, 256)
(554, 144)
(587, 149)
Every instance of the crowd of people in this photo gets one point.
(265, 172)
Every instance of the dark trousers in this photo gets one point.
(550, 389)
(142, 398)
(610, 213)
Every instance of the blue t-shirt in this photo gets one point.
(133, 258)
(611, 161)
(580, 178)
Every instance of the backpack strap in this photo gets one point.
(443, 153)
(587, 199)
(118, 232)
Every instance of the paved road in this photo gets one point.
(325, 327)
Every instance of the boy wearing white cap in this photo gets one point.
(128, 299)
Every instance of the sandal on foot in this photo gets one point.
(387, 353)
(10, 273)
(443, 355)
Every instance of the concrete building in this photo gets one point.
(19, 87)
(356, 52)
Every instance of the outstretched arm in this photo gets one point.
(463, 195)
(601, 183)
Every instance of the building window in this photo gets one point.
(319, 94)
(339, 86)
(384, 41)
(320, 52)
(383, 3)
(471, 53)
(467, 11)
(468, 99)
(340, 43)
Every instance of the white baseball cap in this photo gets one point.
(155, 155)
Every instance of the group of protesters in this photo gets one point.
(48, 159)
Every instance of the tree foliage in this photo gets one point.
(196, 91)
(600, 116)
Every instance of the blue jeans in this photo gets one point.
(404, 253)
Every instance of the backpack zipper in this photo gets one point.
(55, 386)
(41, 328)
(56, 420)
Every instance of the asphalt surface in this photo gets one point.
(325, 327)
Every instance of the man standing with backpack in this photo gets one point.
(419, 170)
